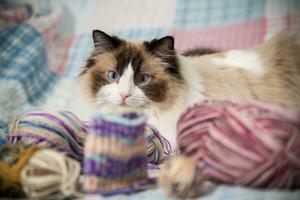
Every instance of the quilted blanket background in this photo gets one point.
(40, 57)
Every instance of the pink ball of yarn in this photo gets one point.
(248, 144)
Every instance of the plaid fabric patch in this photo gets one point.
(56, 38)
(235, 36)
(141, 34)
(79, 51)
(23, 58)
(207, 13)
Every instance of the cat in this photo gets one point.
(151, 75)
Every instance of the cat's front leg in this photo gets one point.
(182, 178)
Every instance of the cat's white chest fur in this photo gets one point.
(166, 121)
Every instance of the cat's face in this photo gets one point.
(140, 74)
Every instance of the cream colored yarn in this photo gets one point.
(50, 174)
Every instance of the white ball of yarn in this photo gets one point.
(50, 174)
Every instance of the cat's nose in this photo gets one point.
(124, 96)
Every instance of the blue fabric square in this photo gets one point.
(207, 13)
(23, 58)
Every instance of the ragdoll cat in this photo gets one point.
(151, 75)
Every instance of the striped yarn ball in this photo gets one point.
(115, 153)
(60, 131)
(249, 144)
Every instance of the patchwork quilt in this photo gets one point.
(40, 57)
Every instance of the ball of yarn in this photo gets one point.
(13, 158)
(50, 174)
(115, 152)
(158, 147)
(61, 131)
(252, 144)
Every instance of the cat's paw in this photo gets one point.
(181, 177)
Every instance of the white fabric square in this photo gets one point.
(111, 15)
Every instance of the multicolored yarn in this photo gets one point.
(115, 152)
(64, 132)
(50, 174)
(13, 158)
(158, 147)
(61, 131)
(249, 144)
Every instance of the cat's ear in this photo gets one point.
(161, 46)
(104, 42)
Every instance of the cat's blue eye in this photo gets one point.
(144, 78)
(112, 75)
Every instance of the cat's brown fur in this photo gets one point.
(280, 82)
